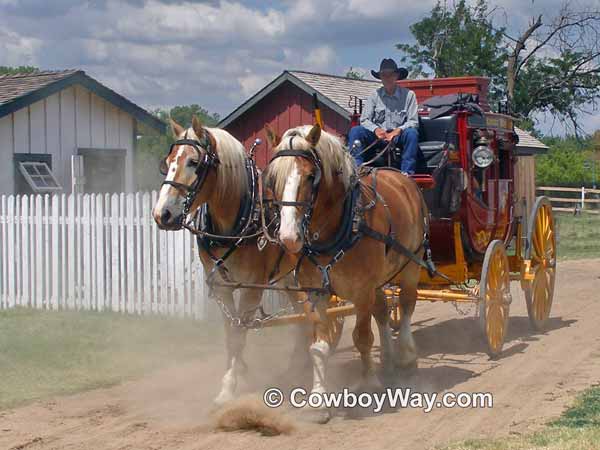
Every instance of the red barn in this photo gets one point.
(286, 102)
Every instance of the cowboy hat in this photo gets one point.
(389, 65)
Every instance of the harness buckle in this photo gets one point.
(339, 255)
(325, 273)
(261, 243)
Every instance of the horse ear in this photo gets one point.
(272, 137)
(175, 128)
(314, 135)
(197, 126)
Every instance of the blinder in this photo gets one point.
(313, 158)
(207, 158)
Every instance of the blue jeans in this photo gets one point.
(408, 140)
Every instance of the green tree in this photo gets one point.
(354, 74)
(563, 165)
(152, 148)
(552, 66)
(183, 115)
(457, 41)
(7, 70)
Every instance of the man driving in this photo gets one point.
(390, 114)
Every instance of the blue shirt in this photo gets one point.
(382, 110)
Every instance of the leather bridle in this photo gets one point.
(207, 159)
(313, 157)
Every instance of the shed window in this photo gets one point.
(39, 176)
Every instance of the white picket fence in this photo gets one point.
(98, 252)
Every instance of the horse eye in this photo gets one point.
(193, 163)
(163, 167)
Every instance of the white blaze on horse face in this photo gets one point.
(288, 230)
(164, 199)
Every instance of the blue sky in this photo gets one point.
(161, 53)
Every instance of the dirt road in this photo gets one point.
(536, 378)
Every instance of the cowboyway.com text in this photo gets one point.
(377, 401)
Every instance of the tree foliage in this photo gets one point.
(354, 74)
(6, 70)
(152, 148)
(564, 164)
(456, 41)
(552, 66)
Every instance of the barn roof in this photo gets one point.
(332, 91)
(337, 88)
(20, 90)
(335, 91)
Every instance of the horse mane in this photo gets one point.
(335, 158)
(232, 177)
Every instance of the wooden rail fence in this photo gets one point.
(569, 199)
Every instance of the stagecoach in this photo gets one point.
(355, 239)
(482, 234)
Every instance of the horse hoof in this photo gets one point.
(387, 375)
(408, 366)
(319, 416)
(223, 398)
(370, 383)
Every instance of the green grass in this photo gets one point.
(577, 429)
(45, 353)
(579, 236)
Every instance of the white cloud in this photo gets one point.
(251, 83)
(320, 59)
(16, 50)
(163, 52)
(200, 24)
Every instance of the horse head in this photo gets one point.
(306, 161)
(190, 170)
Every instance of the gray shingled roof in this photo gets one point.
(20, 90)
(18, 85)
(339, 89)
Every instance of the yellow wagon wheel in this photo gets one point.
(494, 297)
(541, 252)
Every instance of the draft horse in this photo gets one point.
(209, 167)
(351, 235)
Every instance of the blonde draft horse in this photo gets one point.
(224, 185)
(366, 266)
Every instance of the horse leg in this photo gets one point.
(320, 351)
(363, 341)
(300, 359)
(235, 337)
(381, 314)
(406, 350)
(320, 348)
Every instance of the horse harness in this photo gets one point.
(247, 227)
(247, 221)
(354, 226)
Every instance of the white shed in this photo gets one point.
(54, 125)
